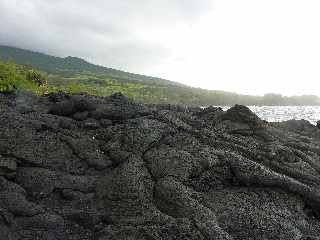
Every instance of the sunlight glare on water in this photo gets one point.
(284, 113)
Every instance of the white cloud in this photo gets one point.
(253, 47)
(113, 33)
(247, 46)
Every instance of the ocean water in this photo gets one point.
(283, 113)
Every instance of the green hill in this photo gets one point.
(70, 66)
(74, 74)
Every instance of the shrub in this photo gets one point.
(35, 76)
(9, 76)
(19, 77)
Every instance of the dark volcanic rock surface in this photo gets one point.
(91, 168)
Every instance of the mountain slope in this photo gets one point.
(71, 65)
(81, 76)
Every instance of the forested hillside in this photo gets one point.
(76, 75)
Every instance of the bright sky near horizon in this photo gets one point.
(248, 46)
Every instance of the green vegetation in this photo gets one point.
(74, 75)
(8, 77)
(18, 77)
(70, 66)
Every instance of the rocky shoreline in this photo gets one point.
(85, 167)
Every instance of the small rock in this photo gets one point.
(18, 205)
(80, 116)
(99, 163)
(105, 122)
(70, 194)
(64, 108)
(57, 97)
(49, 222)
(65, 124)
(8, 164)
(82, 104)
(24, 109)
(91, 124)
(84, 218)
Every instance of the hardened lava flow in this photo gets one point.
(107, 168)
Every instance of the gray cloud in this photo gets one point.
(112, 33)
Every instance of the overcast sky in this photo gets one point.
(244, 46)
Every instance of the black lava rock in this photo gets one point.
(84, 167)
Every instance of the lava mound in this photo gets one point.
(107, 168)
